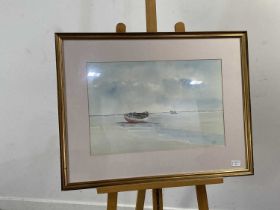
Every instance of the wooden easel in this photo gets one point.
(200, 184)
(157, 192)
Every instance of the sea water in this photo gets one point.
(111, 134)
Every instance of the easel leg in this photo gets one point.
(157, 199)
(151, 16)
(140, 199)
(201, 195)
(112, 201)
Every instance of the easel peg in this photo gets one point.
(180, 27)
(120, 28)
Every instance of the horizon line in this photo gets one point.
(157, 112)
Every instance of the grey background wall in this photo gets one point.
(29, 149)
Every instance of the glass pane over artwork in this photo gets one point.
(143, 106)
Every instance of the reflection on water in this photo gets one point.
(163, 131)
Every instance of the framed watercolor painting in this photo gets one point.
(139, 107)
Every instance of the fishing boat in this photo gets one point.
(136, 117)
(173, 111)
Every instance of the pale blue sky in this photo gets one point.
(154, 86)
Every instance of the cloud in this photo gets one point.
(155, 86)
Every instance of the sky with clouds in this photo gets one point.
(154, 86)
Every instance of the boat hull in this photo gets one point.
(135, 120)
(134, 117)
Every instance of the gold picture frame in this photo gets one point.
(78, 165)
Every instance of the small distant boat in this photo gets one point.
(173, 112)
(136, 117)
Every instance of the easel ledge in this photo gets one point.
(200, 184)
(157, 185)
